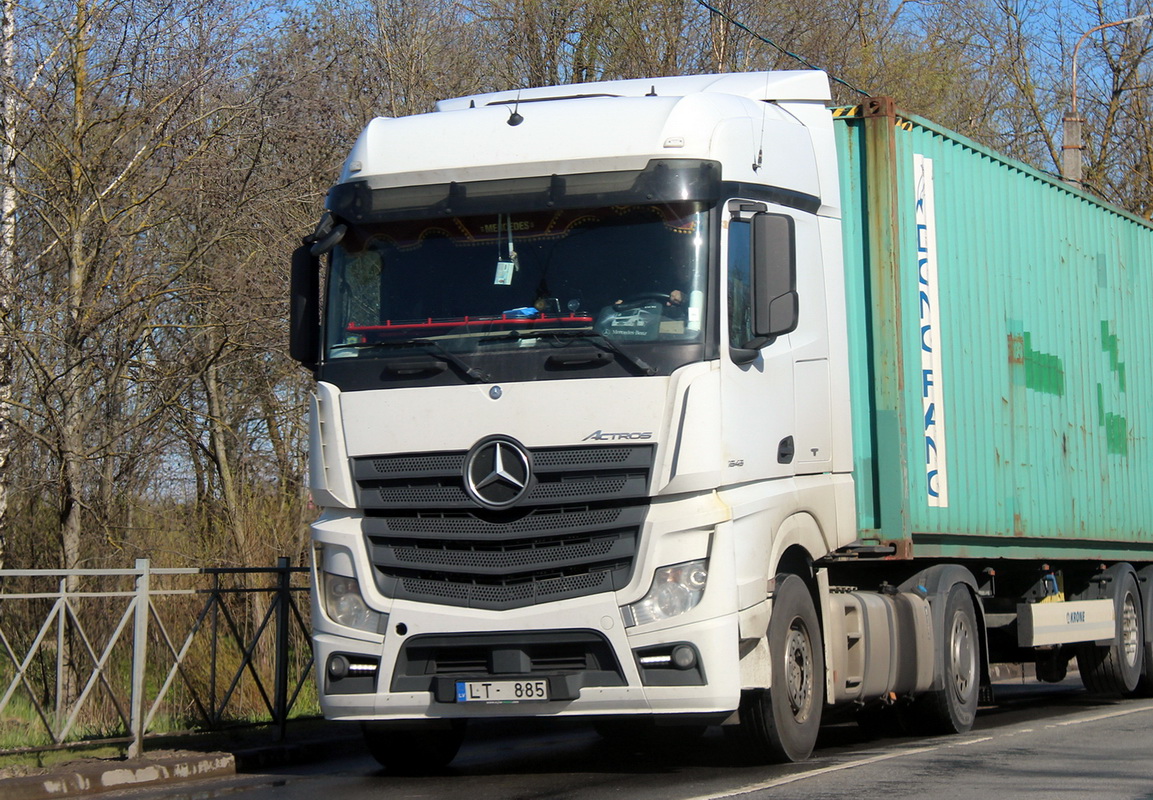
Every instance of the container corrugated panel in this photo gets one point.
(1012, 415)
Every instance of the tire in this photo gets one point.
(1117, 669)
(781, 724)
(1145, 684)
(953, 709)
(413, 751)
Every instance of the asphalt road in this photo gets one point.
(1037, 741)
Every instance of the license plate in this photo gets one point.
(501, 691)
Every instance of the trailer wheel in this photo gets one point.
(954, 708)
(413, 751)
(1117, 668)
(781, 723)
(1145, 683)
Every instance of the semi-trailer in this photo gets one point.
(693, 401)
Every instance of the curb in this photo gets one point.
(172, 766)
(94, 778)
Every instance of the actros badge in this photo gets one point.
(497, 472)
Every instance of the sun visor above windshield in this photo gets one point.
(662, 180)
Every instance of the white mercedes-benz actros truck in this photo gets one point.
(691, 401)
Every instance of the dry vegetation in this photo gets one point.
(160, 159)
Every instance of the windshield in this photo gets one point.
(509, 282)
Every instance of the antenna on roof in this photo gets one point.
(514, 118)
(764, 112)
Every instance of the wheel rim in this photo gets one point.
(799, 671)
(1129, 630)
(963, 656)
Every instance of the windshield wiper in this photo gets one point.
(439, 351)
(596, 337)
(478, 375)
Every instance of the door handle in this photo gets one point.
(785, 450)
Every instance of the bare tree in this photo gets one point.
(7, 244)
(160, 159)
(97, 184)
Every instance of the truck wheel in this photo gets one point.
(954, 708)
(1145, 684)
(781, 723)
(412, 751)
(1117, 668)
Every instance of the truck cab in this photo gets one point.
(581, 391)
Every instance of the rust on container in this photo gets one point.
(1016, 349)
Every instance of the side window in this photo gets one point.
(740, 283)
(354, 291)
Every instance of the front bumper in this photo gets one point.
(580, 646)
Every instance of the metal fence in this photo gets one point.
(113, 656)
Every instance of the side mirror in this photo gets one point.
(774, 255)
(304, 308)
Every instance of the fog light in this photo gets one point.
(345, 605)
(674, 591)
(684, 657)
(338, 667)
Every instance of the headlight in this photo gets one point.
(675, 590)
(345, 605)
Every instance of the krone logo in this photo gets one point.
(497, 472)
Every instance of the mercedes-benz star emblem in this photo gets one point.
(497, 472)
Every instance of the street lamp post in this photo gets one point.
(1071, 143)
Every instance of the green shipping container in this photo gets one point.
(1001, 335)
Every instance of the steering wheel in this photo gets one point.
(641, 299)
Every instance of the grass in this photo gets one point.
(26, 743)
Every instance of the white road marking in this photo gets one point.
(1108, 715)
(913, 751)
(756, 787)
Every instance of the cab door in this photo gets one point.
(774, 354)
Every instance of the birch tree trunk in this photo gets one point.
(7, 248)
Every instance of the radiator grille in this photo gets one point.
(575, 532)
